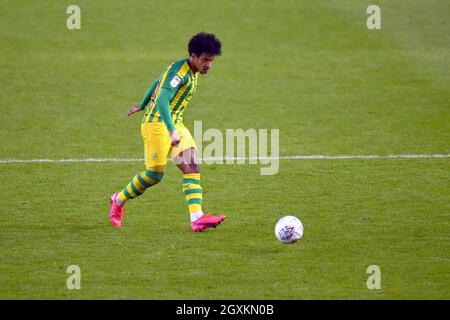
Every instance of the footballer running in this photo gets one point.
(164, 134)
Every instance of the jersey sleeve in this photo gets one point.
(169, 88)
(172, 82)
(148, 94)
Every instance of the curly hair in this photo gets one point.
(205, 43)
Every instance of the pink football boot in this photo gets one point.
(117, 212)
(206, 221)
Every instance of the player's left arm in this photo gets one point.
(162, 103)
(169, 89)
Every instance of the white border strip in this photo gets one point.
(310, 157)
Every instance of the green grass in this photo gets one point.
(311, 69)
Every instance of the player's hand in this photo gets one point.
(175, 138)
(134, 109)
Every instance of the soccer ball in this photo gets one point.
(289, 229)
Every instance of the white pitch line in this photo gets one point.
(299, 157)
(405, 156)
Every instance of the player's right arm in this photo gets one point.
(148, 95)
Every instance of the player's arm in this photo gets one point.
(148, 95)
(162, 104)
(168, 90)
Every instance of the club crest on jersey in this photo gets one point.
(175, 81)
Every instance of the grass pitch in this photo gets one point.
(310, 69)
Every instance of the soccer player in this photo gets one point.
(164, 134)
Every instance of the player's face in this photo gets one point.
(203, 62)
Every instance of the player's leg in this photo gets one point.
(156, 146)
(140, 182)
(184, 156)
(137, 186)
(192, 189)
